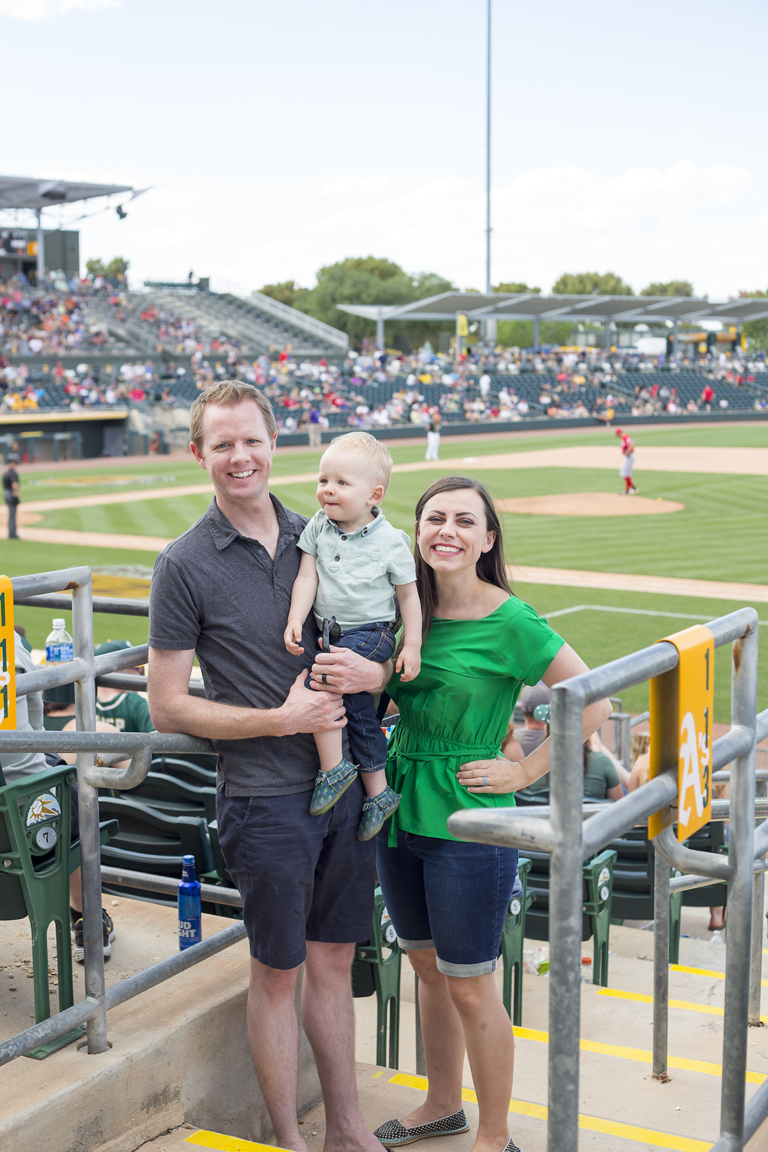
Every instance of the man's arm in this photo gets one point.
(174, 710)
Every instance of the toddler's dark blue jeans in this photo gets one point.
(367, 743)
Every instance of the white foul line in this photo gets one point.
(629, 611)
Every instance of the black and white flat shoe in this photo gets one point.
(511, 1147)
(393, 1134)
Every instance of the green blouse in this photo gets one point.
(457, 710)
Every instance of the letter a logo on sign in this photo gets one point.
(682, 705)
(690, 776)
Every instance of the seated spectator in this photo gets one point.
(525, 740)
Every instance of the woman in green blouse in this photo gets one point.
(447, 898)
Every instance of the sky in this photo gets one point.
(276, 138)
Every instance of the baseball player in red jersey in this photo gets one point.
(628, 452)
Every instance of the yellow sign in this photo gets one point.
(462, 325)
(7, 656)
(682, 707)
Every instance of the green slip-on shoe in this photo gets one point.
(376, 811)
(330, 786)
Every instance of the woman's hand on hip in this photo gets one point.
(491, 776)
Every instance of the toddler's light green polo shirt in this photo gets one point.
(357, 571)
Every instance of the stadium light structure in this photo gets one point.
(31, 194)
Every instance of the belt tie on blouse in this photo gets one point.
(463, 753)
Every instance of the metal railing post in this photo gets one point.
(565, 913)
(758, 904)
(421, 1058)
(88, 806)
(740, 892)
(756, 969)
(660, 967)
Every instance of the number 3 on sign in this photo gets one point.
(682, 704)
(7, 656)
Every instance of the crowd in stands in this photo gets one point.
(46, 324)
(364, 390)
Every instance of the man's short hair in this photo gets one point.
(374, 449)
(228, 393)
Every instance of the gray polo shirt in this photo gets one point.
(222, 594)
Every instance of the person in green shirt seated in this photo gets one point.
(448, 898)
(125, 711)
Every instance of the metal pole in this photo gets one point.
(421, 1058)
(488, 158)
(565, 904)
(536, 333)
(40, 249)
(380, 330)
(607, 334)
(88, 802)
(740, 891)
(758, 898)
(674, 340)
(660, 968)
(756, 970)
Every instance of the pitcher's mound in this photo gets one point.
(589, 504)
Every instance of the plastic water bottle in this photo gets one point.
(190, 929)
(58, 646)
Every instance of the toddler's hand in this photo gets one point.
(292, 638)
(409, 663)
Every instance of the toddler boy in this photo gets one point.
(353, 563)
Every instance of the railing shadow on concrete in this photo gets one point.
(571, 832)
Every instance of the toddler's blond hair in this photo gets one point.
(377, 453)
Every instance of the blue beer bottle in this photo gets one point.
(190, 929)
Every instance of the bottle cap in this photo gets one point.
(58, 625)
(188, 860)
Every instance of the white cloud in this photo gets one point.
(42, 9)
(349, 185)
(706, 223)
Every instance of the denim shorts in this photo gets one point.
(367, 742)
(301, 877)
(448, 895)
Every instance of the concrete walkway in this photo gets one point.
(176, 1046)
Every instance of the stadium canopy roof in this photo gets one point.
(533, 306)
(34, 194)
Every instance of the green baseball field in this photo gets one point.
(611, 575)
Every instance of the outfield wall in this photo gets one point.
(545, 424)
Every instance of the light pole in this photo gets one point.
(488, 159)
(490, 325)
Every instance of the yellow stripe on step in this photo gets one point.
(688, 1005)
(639, 1054)
(589, 1123)
(221, 1143)
(705, 972)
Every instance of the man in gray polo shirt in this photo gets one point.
(222, 592)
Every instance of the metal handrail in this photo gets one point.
(95, 751)
(569, 837)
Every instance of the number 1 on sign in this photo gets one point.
(7, 657)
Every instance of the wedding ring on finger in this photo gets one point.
(324, 677)
(485, 781)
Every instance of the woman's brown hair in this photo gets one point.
(491, 567)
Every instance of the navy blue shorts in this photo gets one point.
(448, 895)
(301, 877)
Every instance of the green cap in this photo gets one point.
(112, 646)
